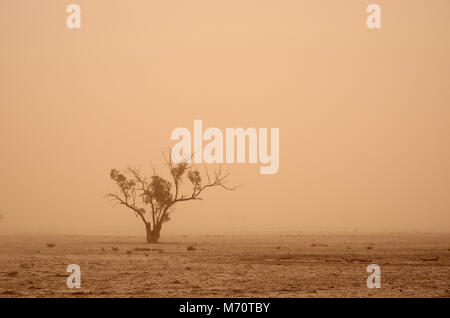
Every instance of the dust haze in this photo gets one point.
(363, 114)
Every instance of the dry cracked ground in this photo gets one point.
(275, 265)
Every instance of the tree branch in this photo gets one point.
(118, 199)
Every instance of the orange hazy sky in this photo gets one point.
(364, 115)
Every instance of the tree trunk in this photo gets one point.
(153, 235)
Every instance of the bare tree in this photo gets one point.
(153, 198)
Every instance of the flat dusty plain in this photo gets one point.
(269, 265)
